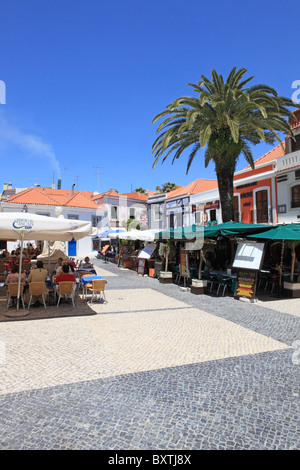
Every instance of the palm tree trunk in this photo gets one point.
(225, 184)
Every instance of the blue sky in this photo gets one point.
(84, 80)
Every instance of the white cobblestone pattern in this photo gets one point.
(137, 330)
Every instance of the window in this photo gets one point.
(96, 220)
(295, 202)
(131, 213)
(157, 213)
(236, 209)
(262, 206)
(73, 217)
(114, 212)
(213, 215)
(172, 220)
(46, 214)
(296, 144)
(197, 217)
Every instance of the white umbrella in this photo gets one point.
(143, 235)
(25, 226)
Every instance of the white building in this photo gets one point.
(77, 205)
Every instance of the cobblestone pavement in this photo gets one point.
(155, 367)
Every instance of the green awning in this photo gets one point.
(233, 228)
(281, 232)
(181, 233)
(212, 231)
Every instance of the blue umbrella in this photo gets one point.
(107, 233)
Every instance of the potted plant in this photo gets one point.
(198, 285)
(165, 250)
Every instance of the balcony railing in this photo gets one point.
(290, 160)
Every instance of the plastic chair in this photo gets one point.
(66, 288)
(37, 289)
(98, 286)
(13, 292)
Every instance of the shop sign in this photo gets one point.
(212, 205)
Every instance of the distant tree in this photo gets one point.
(225, 117)
(167, 187)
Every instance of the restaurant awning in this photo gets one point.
(234, 228)
(212, 231)
(181, 233)
(281, 232)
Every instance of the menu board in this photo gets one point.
(249, 255)
(246, 284)
(141, 266)
(124, 252)
(147, 251)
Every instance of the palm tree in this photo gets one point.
(225, 118)
(167, 187)
(141, 190)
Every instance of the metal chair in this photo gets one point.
(13, 292)
(66, 289)
(207, 277)
(37, 289)
(223, 282)
(85, 286)
(98, 286)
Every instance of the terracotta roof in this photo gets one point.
(197, 186)
(136, 195)
(295, 124)
(270, 156)
(111, 192)
(54, 197)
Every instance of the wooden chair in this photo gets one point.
(66, 288)
(98, 286)
(13, 292)
(37, 289)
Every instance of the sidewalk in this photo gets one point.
(154, 367)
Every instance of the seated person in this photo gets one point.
(13, 276)
(59, 263)
(38, 274)
(59, 269)
(86, 263)
(66, 276)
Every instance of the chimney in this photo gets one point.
(73, 188)
(4, 186)
(59, 184)
(9, 185)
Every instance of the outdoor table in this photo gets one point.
(86, 279)
(88, 270)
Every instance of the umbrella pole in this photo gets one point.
(281, 264)
(200, 264)
(49, 259)
(20, 271)
(293, 263)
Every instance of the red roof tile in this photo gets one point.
(270, 156)
(197, 186)
(54, 197)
